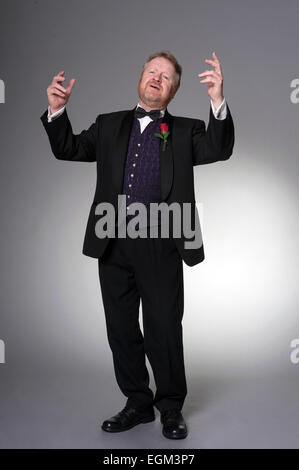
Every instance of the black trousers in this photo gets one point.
(150, 270)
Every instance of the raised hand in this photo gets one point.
(214, 79)
(57, 95)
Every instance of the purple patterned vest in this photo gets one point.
(142, 169)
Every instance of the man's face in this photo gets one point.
(156, 85)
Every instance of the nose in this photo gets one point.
(157, 77)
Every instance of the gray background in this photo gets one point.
(241, 303)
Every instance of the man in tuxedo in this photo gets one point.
(134, 162)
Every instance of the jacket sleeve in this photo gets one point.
(214, 144)
(68, 146)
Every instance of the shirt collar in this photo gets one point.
(162, 111)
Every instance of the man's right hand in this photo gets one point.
(58, 96)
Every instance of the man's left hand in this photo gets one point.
(214, 79)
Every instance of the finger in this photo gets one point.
(59, 75)
(208, 80)
(58, 79)
(215, 64)
(56, 92)
(71, 85)
(215, 58)
(60, 87)
(211, 72)
(203, 73)
(213, 79)
(212, 62)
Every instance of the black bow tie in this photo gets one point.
(153, 114)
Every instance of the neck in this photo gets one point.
(148, 107)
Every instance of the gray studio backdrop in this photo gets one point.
(241, 304)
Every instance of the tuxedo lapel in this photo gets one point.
(121, 149)
(166, 159)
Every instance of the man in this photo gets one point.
(134, 161)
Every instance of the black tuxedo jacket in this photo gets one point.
(106, 142)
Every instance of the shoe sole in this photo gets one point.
(147, 419)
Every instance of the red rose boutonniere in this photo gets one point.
(164, 134)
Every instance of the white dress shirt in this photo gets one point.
(219, 113)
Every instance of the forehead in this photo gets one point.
(161, 64)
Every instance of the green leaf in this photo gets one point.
(158, 135)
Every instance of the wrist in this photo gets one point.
(217, 102)
(54, 110)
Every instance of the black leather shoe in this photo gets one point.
(127, 418)
(174, 426)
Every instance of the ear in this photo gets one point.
(173, 92)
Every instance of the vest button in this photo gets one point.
(138, 145)
(134, 164)
(136, 154)
(132, 175)
(130, 185)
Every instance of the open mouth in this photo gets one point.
(155, 87)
